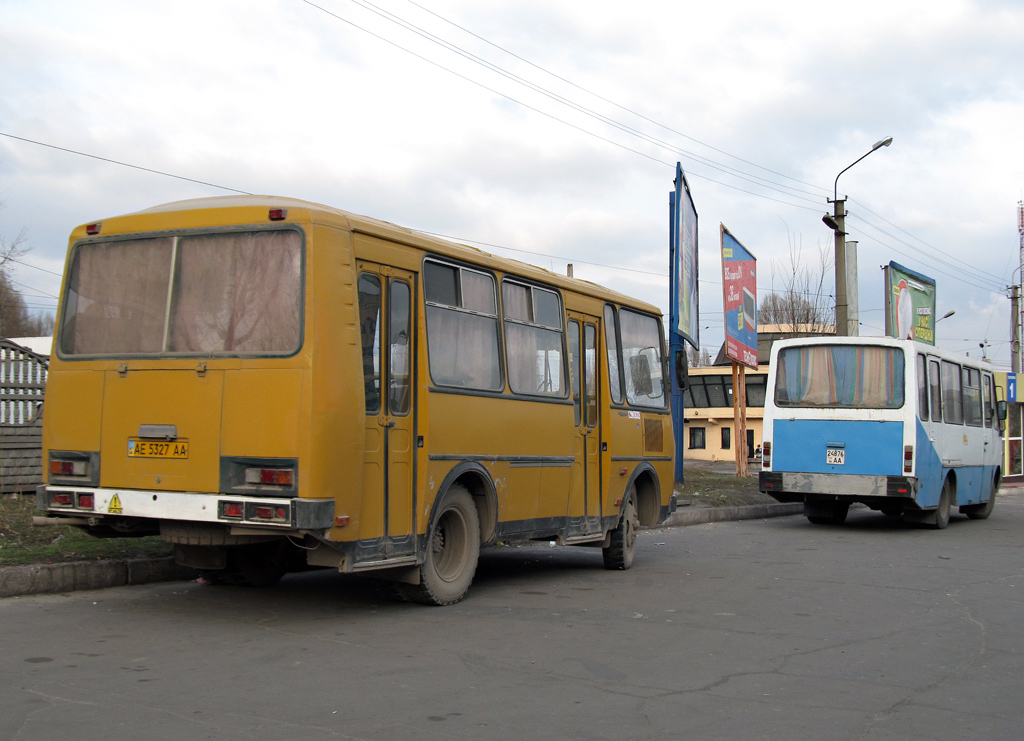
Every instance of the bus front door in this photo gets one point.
(387, 525)
(585, 495)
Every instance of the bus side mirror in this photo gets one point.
(1001, 411)
(682, 365)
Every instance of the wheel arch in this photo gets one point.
(478, 482)
(645, 481)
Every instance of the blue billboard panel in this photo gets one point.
(683, 299)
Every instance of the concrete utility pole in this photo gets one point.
(1015, 347)
(1015, 327)
(836, 221)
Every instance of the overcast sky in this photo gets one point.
(565, 153)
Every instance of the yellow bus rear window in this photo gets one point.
(223, 293)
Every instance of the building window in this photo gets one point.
(696, 438)
(726, 438)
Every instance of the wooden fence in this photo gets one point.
(22, 387)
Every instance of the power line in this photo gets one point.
(123, 164)
(542, 112)
(612, 102)
(725, 169)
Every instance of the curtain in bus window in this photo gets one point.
(840, 375)
(117, 298)
(641, 359)
(237, 293)
(463, 348)
(533, 351)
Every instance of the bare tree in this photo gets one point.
(15, 319)
(699, 358)
(800, 303)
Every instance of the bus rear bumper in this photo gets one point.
(787, 486)
(93, 505)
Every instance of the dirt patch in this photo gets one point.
(23, 543)
(705, 487)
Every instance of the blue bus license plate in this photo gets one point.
(835, 456)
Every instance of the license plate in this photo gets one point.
(157, 448)
(835, 457)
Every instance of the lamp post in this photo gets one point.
(836, 221)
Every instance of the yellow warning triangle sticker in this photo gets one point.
(115, 505)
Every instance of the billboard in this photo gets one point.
(909, 304)
(683, 301)
(739, 298)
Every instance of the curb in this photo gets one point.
(704, 515)
(50, 578)
(53, 578)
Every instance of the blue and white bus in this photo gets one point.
(903, 427)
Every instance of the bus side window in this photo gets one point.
(988, 395)
(611, 343)
(369, 330)
(922, 388)
(935, 387)
(952, 399)
(972, 396)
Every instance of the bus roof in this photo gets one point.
(368, 225)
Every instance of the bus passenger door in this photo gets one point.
(386, 319)
(585, 505)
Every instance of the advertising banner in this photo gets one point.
(909, 304)
(739, 298)
(683, 270)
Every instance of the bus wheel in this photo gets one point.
(453, 550)
(825, 515)
(619, 555)
(942, 513)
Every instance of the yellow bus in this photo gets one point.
(271, 384)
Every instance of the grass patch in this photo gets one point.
(23, 543)
(705, 488)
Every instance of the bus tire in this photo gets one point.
(452, 552)
(619, 554)
(942, 511)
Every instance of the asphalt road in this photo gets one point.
(767, 629)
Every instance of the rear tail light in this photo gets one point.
(278, 214)
(280, 514)
(85, 501)
(91, 229)
(270, 476)
(69, 468)
(232, 510)
(908, 459)
(766, 455)
(62, 499)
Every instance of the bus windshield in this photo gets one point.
(854, 376)
(222, 293)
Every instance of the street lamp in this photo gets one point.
(836, 221)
